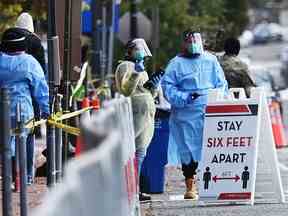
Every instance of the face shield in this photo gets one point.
(194, 44)
(137, 50)
(141, 45)
(140, 49)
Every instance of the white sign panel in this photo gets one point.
(238, 145)
(227, 169)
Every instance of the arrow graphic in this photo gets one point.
(236, 178)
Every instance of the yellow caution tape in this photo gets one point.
(32, 124)
(68, 129)
(55, 119)
(72, 114)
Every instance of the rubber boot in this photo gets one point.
(191, 190)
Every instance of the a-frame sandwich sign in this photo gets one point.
(238, 150)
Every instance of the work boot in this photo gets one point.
(144, 197)
(195, 189)
(191, 190)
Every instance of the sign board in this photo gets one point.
(232, 136)
(87, 15)
(144, 30)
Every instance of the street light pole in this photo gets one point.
(155, 37)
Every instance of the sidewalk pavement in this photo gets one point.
(36, 191)
(162, 205)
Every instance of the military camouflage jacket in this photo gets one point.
(236, 73)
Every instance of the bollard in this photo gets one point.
(22, 159)
(6, 153)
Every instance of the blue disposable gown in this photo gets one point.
(24, 78)
(184, 76)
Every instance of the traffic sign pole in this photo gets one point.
(133, 20)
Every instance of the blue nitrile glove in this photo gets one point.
(191, 97)
(156, 81)
(45, 115)
(139, 66)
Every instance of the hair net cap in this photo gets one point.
(141, 45)
(25, 21)
(13, 41)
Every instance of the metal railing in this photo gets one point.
(102, 180)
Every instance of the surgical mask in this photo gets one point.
(139, 55)
(194, 48)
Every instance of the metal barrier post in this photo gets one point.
(53, 74)
(51, 156)
(22, 163)
(16, 163)
(59, 144)
(58, 150)
(66, 69)
(6, 153)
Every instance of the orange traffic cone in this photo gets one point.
(277, 125)
(79, 143)
(95, 103)
(85, 102)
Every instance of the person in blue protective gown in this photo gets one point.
(23, 77)
(188, 78)
(24, 26)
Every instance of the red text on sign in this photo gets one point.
(222, 142)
